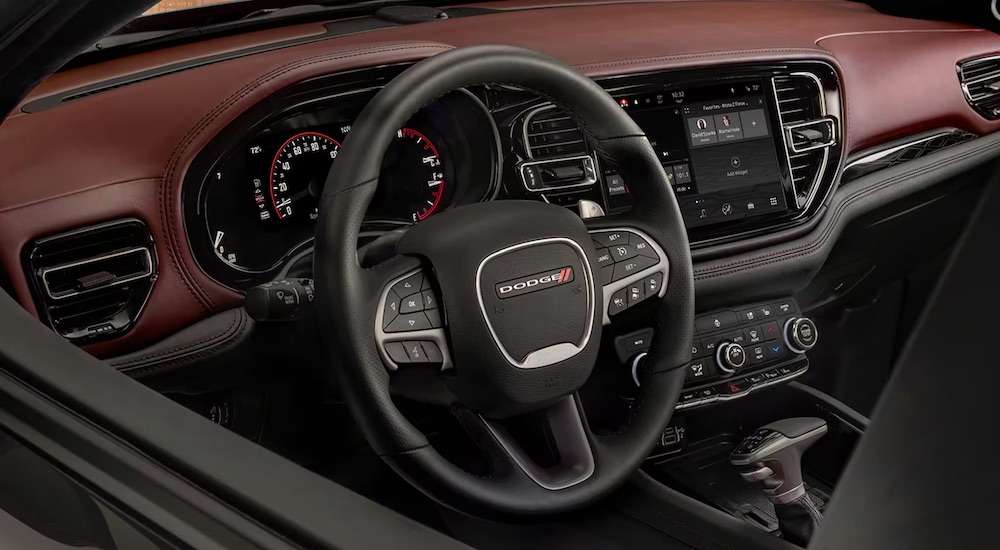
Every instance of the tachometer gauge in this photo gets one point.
(413, 174)
(298, 173)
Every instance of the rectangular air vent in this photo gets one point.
(980, 80)
(551, 133)
(807, 131)
(92, 283)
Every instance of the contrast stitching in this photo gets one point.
(774, 257)
(177, 349)
(191, 136)
(190, 358)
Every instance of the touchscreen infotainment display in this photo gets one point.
(717, 146)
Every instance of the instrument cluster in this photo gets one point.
(258, 202)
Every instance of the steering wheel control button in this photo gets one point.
(604, 257)
(391, 309)
(716, 321)
(429, 299)
(622, 252)
(642, 247)
(800, 334)
(412, 304)
(397, 352)
(611, 238)
(434, 318)
(653, 284)
(619, 302)
(409, 322)
(730, 357)
(432, 352)
(636, 293)
(632, 266)
(415, 352)
(409, 285)
(771, 330)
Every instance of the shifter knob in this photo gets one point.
(773, 455)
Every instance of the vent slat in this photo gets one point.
(552, 133)
(798, 101)
(976, 76)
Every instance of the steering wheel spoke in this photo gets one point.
(631, 266)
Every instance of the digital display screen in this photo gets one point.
(717, 147)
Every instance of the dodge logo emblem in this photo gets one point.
(531, 283)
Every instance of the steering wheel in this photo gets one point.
(513, 295)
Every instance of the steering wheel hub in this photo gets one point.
(519, 293)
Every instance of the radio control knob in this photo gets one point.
(800, 334)
(730, 357)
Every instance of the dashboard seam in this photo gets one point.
(722, 53)
(228, 341)
(170, 170)
(810, 247)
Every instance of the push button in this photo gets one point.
(604, 257)
(622, 252)
(391, 309)
(653, 284)
(415, 352)
(699, 370)
(753, 335)
(636, 293)
(765, 312)
(747, 316)
(432, 352)
(632, 266)
(638, 342)
(610, 238)
(409, 285)
(408, 322)
(708, 345)
(784, 308)
(642, 246)
(776, 350)
(696, 349)
(618, 303)
(412, 304)
(757, 354)
(771, 330)
(430, 300)
(397, 353)
(715, 321)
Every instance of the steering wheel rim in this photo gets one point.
(348, 294)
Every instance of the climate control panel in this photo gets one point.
(738, 350)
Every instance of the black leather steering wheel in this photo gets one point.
(523, 299)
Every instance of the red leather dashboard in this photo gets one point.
(124, 152)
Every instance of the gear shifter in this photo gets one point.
(773, 456)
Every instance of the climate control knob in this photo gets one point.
(730, 357)
(800, 334)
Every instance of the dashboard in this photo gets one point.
(747, 150)
(207, 157)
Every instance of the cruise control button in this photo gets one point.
(610, 238)
(622, 252)
(412, 304)
(430, 300)
(771, 330)
(642, 246)
(434, 318)
(397, 353)
(409, 285)
(633, 266)
(415, 352)
(618, 303)
(653, 284)
(604, 257)
(391, 309)
(409, 322)
(635, 293)
(716, 321)
(432, 352)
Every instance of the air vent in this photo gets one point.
(551, 133)
(808, 132)
(980, 79)
(91, 283)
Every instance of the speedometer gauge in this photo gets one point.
(298, 173)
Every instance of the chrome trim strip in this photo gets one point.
(814, 185)
(557, 352)
(878, 155)
(527, 149)
(587, 159)
(147, 272)
(827, 120)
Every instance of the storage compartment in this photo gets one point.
(693, 456)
